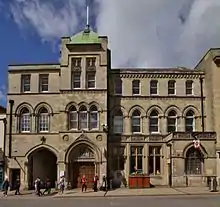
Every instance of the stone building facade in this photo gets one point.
(2, 141)
(80, 116)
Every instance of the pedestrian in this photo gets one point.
(104, 184)
(47, 187)
(62, 184)
(95, 183)
(17, 186)
(5, 186)
(38, 184)
(35, 186)
(84, 183)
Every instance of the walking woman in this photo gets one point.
(5, 187)
(62, 185)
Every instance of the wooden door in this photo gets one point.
(83, 168)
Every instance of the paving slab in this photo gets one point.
(139, 192)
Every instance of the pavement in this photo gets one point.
(125, 192)
(180, 201)
(122, 192)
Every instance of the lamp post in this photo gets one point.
(11, 103)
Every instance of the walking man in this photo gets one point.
(84, 183)
(17, 187)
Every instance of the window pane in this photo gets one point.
(139, 163)
(76, 62)
(73, 120)
(91, 80)
(83, 120)
(139, 150)
(171, 124)
(25, 83)
(189, 124)
(132, 164)
(93, 120)
(118, 87)
(157, 165)
(133, 151)
(43, 122)
(90, 62)
(150, 164)
(153, 87)
(194, 160)
(135, 87)
(157, 150)
(25, 123)
(171, 87)
(121, 162)
(76, 80)
(136, 124)
(118, 124)
(43, 81)
(189, 87)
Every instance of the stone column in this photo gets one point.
(61, 167)
(127, 125)
(103, 164)
(162, 124)
(181, 124)
(26, 176)
(127, 162)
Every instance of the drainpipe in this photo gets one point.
(202, 104)
(108, 115)
(170, 166)
(11, 103)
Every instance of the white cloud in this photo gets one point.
(142, 33)
(3, 93)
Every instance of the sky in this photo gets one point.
(142, 33)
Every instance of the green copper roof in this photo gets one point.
(85, 37)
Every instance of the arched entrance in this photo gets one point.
(42, 163)
(81, 161)
(194, 161)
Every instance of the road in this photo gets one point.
(189, 201)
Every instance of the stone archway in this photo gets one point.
(42, 163)
(81, 161)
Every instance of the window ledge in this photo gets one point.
(155, 133)
(156, 176)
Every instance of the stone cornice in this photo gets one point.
(191, 75)
(77, 91)
(158, 97)
(177, 136)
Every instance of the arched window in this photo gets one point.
(93, 117)
(25, 120)
(190, 121)
(172, 121)
(193, 161)
(154, 122)
(43, 120)
(83, 118)
(136, 121)
(73, 118)
(118, 122)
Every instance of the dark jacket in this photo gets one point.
(5, 185)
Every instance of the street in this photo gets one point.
(180, 201)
